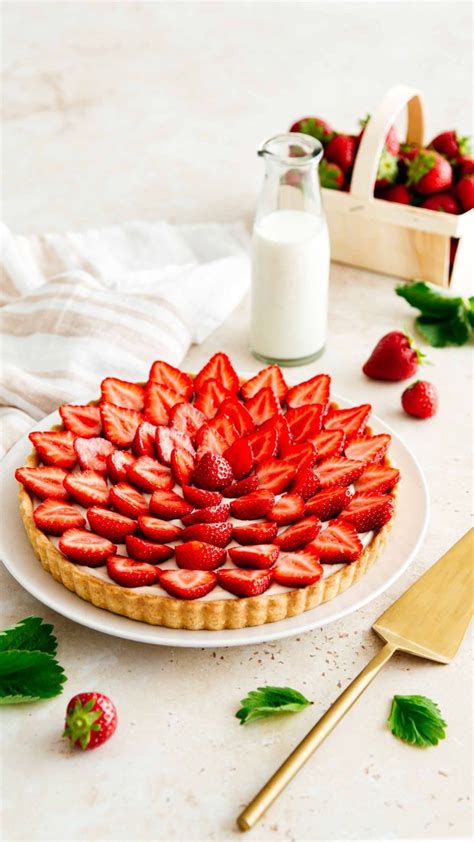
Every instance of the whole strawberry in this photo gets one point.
(420, 399)
(465, 165)
(393, 358)
(450, 144)
(464, 190)
(330, 175)
(91, 719)
(429, 172)
(397, 193)
(408, 151)
(315, 126)
(341, 150)
(444, 202)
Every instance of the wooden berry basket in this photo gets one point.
(392, 238)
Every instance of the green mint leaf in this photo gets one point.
(416, 720)
(443, 332)
(32, 634)
(269, 701)
(427, 299)
(29, 676)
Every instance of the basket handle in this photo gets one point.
(373, 139)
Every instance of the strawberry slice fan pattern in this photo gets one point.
(206, 501)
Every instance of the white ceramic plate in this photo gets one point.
(403, 542)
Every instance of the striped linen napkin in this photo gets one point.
(77, 307)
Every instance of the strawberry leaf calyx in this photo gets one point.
(420, 356)
(81, 721)
(387, 169)
(421, 164)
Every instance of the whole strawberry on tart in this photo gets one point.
(209, 501)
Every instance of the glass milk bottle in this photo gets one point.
(290, 254)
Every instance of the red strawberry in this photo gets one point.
(275, 475)
(281, 427)
(186, 418)
(85, 548)
(182, 465)
(44, 481)
(209, 514)
(397, 193)
(328, 504)
(55, 448)
(83, 421)
(109, 524)
(168, 505)
(210, 397)
(287, 509)
(131, 574)
(466, 165)
(337, 543)
(159, 401)
(329, 443)
(217, 534)
(128, 501)
(119, 423)
(56, 516)
(299, 534)
(238, 414)
(200, 498)
(269, 377)
(341, 150)
(297, 571)
(245, 582)
(88, 488)
(368, 449)
(339, 471)
(444, 202)
(351, 421)
(450, 144)
(314, 126)
(330, 175)
(93, 453)
(263, 442)
(393, 358)
(147, 551)
(260, 556)
(306, 483)
(172, 377)
(263, 532)
(168, 438)
(224, 426)
(369, 511)
(420, 399)
(122, 393)
(197, 555)
(219, 368)
(257, 504)
(301, 456)
(208, 440)
(314, 390)
(212, 472)
(263, 405)
(243, 486)
(144, 440)
(148, 474)
(158, 530)
(118, 462)
(305, 421)
(408, 151)
(240, 458)
(91, 719)
(188, 584)
(465, 192)
(429, 172)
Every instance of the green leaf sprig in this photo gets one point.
(28, 669)
(416, 720)
(444, 319)
(270, 701)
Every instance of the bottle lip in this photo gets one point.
(273, 146)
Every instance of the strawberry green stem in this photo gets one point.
(80, 722)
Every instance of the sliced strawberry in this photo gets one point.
(167, 439)
(219, 368)
(128, 500)
(172, 377)
(314, 390)
(85, 548)
(208, 440)
(282, 428)
(243, 486)
(368, 449)
(378, 478)
(89, 488)
(240, 458)
(352, 421)
(218, 534)
(337, 543)
(93, 453)
(119, 423)
(257, 504)
(210, 514)
(144, 440)
(188, 584)
(275, 475)
(270, 377)
(300, 455)
(329, 443)
(158, 530)
(287, 509)
(56, 516)
(186, 418)
(200, 498)
(224, 426)
(299, 534)
(168, 505)
(264, 443)
(122, 393)
(197, 555)
(328, 504)
(260, 556)
(148, 474)
(263, 532)
(45, 481)
(297, 571)
(83, 421)
(142, 550)
(182, 464)
(55, 448)
(369, 511)
(109, 524)
(339, 471)
(305, 421)
(131, 574)
(238, 414)
(212, 472)
(245, 582)
(159, 401)
(118, 462)
(305, 483)
(263, 405)
(210, 397)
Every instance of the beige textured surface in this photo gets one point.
(149, 110)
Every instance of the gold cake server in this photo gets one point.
(429, 620)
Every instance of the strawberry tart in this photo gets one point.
(209, 501)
